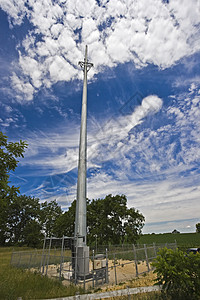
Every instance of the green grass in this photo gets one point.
(16, 283)
(184, 240)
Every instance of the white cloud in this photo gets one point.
(25, 89)
(122, 141)
(157, 168)
(116, 31)
(15, 10)
(57, 70)
(166, 204)
(104, 145)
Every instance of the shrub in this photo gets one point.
(178, 273)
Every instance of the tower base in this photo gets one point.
(82, 266)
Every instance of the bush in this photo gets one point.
(178, 273)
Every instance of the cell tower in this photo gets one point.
(82, 251)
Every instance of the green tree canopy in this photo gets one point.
(49, 213)
(22, 210)
(23, 219)
(9, 152)
(198, 227)
(109, 220)
(64, 224)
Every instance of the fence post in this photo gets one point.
(106, 265)
(42, 258)
(48, 255)
(76, 261)
(93, 268)
(128, 293)
(29, 265)
(154, 247)
(61, 258)
(84, 271)
(115, 270)
(135, 258)
(12, 258)
(146, 255)
(19, 261)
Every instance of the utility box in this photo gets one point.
(99, 261)
(82, 261)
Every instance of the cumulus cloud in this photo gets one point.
(116, 32)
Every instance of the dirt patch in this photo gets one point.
(126, 276)
(147, 279)
(124, 270)
(121, 275)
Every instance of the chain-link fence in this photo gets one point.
(114, 265)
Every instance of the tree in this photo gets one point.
(198, 227)
(32, 234)
(49, 213)
(109, 220)
(9, 152)
(22, 210)
(64, 224)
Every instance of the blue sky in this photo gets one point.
(143, 102)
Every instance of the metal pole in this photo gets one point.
(81, 203)
(93, 268)
(76, 263)
(106, 265)
(84, 271)
(135, 258)
(80, 221)
(154, 247)
(61, 259)
(115, 270)
(29, 265)
(42, 258)
(48, 255)
(147, 259)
